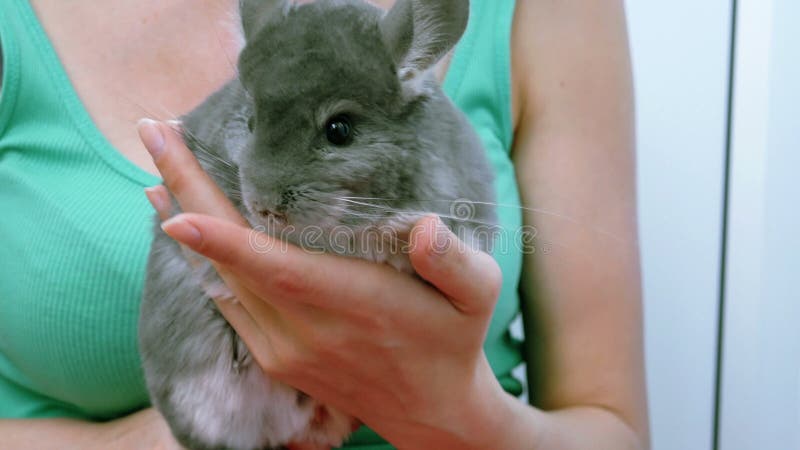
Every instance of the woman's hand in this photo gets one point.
(403, 356)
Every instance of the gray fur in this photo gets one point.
(413, 153)
(256, 13)
(416, 34)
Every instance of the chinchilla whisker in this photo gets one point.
(170, 113)
(145, 112)
(422, 213)
(364, 215)
(505, 205)
(371, 205)
(467, 201)
(225, 173)
(166, 113)
(222, 177)
(235, 192)
(148, 113)
(459, 219)
(212, 157)
(384, 208)
(204, 152)
(224, 52)
(230, 24)
(349, 212)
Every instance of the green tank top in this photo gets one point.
(76, 227)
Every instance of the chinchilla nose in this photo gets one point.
(275, 208)
(271, 212)
(273, 216)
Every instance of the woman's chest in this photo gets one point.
(156, 60)
(71, 270)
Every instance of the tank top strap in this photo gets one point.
(9, 40)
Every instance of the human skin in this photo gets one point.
(573, 152)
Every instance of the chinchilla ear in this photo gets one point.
(255, 13)
(418, 33)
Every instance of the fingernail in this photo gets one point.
(182, 231)
(155, 199)
(441, 237)
(151, 136)
(176, 125)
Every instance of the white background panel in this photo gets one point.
(760, 405)
(681, 53)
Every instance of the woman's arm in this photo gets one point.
(574, 154)
(144, 430)
(47, 433)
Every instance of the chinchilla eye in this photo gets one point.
(251, 123)
(339, 130)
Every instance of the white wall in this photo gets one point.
(760, 407)
(681, 52)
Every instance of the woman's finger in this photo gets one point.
(161, 202)
(270, 268)
(229, 307)
(182, 174)
(242, 313)
(196, 191)
(159, 199)
(471, 279)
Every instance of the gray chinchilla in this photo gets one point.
(335, 124)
